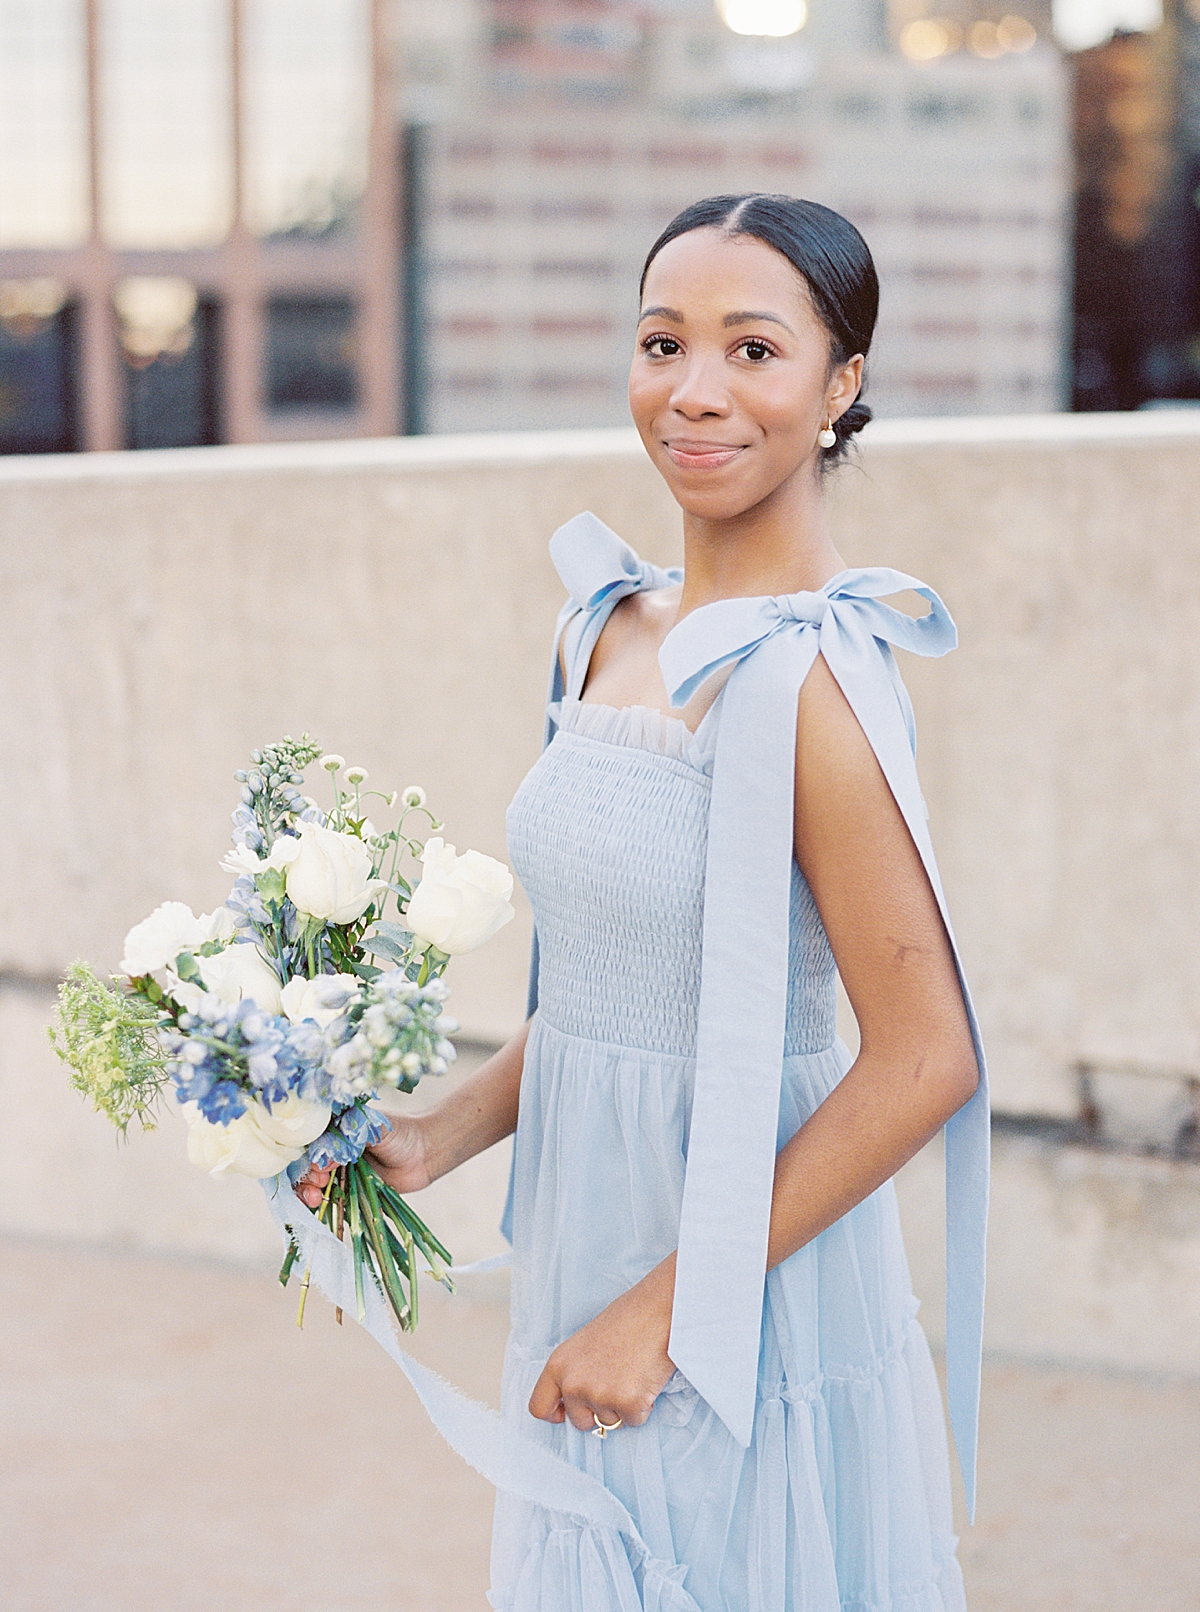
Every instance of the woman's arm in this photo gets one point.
(915, 1068)
(421, 1147)
(916, 1064)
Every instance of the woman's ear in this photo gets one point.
(845, 387)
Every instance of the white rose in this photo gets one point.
(243, 860)
(461, 901)
(330, 875)
(237, 972)
(159, 939)
(258, 1143)
(170, 929)
(220, 925)
(322, 999)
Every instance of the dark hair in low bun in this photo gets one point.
(830, 255)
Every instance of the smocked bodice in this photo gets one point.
(608, 835)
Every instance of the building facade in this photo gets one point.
(199, 233)
(246, 220)
(535, 217)
(1137, 220)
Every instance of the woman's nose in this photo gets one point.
(700, 389)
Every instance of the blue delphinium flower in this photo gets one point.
(247, 906)
(226, 1101)
(226, 1053)
(396, 1039)
(351, 1131)
(362, 1126)
(245, 829)
(332, 1148)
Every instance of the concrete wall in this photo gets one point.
(162, 613)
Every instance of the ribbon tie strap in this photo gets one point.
(771, 643)
(602, 570)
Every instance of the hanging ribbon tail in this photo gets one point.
(850, 644)
(725, 1217)
(508, 1459)
(721, 1262)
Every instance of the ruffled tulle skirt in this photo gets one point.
(841, 1500)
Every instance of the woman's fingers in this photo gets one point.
(546, 1400)
(583, 1415)
(551, 1401)
(310, 1188)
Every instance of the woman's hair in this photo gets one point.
(826, 250)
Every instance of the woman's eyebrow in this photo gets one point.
(673, 314)
(732, 319)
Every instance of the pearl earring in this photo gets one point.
(828, 436)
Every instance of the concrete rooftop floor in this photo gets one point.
(171, 1442)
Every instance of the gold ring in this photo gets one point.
(603, 1429)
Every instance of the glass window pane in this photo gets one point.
(43, 124)
(166, 124)
(308, 107)
(37, 367)
(311, 353)
(169, 340)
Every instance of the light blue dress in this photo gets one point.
(810, 1474)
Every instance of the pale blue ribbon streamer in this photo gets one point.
(479, 1434)
(771, 644)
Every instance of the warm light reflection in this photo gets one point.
(984, 39)
(928, 38)
(1016, 34)
(771, 18)
(27, 304)
(156, 313)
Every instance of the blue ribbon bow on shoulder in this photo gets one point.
(771, 643)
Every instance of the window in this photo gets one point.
(43, 127)
(37, 368)
(169, 342)
(311, 357)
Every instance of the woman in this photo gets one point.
(726, 811)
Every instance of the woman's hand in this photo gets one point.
(401, 1157)
(617, 1365)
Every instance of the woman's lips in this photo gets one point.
(701, 455)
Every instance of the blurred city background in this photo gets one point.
(239, 230)
(259, 220)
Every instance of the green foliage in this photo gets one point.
(108, 1038)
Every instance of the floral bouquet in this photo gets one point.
(279, 1017)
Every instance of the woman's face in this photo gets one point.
(730, 380)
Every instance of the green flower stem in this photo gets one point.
(412, 1285)
(356, 1243)
(399, 1252)
(405, 1217)
(406, 1313)
(326, 1201)
(290, 1258)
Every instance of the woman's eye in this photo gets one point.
(756, 351)
(660, 346)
